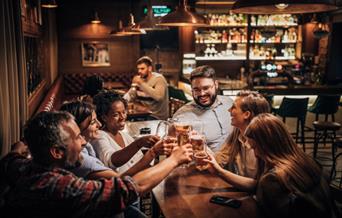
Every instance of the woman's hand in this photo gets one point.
(147, 141)
(214, 167)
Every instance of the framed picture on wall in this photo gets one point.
(95, 54)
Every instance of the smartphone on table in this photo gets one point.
(225, 201)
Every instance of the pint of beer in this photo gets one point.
(182, 133)
(199, 157)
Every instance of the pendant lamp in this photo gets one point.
(130, 29)
(282, 6)
(95, 19)
(321, 30)
(48, 4)
(183, 17)
(118, 31)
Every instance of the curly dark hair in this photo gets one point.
(43, 132)
(104, 100)
(93, 85)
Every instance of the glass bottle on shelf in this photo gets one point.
(224, 38)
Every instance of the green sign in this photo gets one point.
(159, 10)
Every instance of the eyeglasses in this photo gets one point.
(205, 89)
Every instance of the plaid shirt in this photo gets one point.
(31, 190)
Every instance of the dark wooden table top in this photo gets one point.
(186, 193)
(139, 110)
(114, 85)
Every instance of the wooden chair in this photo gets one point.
(174, 105)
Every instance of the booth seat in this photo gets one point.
(73, 82)
(69, 85)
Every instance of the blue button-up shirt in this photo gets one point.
(216, 119)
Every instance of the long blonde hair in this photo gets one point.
(253, 102)
(276, 147)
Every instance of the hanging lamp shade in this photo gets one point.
(118, 31)
(48, 4)
(282, 6)
(95, 19)
(183, 17)
(129, 30)
(149, 23)
(321, 30)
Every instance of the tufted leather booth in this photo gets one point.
(73, 82)
(70, 85)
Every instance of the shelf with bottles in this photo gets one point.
(269, 52)
(274, 35)
(231, 35)
(228, 51)
(227, 20)
(279, 20)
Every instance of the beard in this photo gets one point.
(212, 100)
(68, 165)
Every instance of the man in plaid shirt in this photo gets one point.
(43, 187)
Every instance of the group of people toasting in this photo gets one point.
(84, 165)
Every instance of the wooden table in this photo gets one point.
(185, 193)
(114, 85)
(139, 111)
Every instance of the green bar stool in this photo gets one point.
(297, 108)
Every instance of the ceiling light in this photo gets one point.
(321, 30)
(95, 19)
(128, 30)
(183, 17)
(282, 6)
(48, 4)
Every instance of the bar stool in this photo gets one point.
(327, 105)
(337, 144)
(297, 108)
(324, 130)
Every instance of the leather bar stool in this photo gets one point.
(297, 108)
(326, 105)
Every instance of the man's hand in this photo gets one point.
(138, 80)
(164, 147)
(182, 154)
(20, 148)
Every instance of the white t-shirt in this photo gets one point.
(105, 146)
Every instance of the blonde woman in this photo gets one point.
(291, 184)
(235, 155)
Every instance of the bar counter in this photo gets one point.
(300, 89)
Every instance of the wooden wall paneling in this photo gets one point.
(74, 27)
